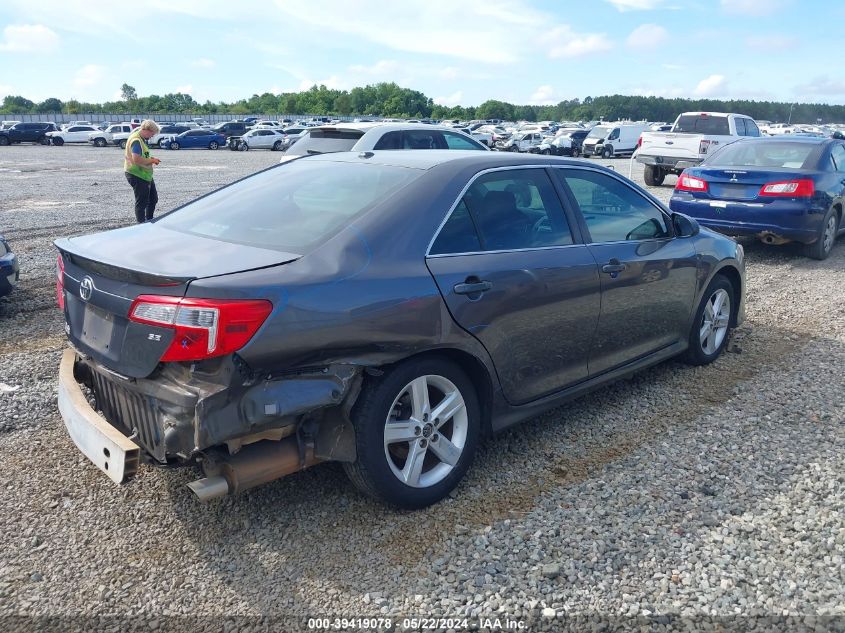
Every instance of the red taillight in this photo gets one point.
(690, 183)
(802, 188)
(60, 281)
(204, 327)
(640, 141)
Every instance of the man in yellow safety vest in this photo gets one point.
(138, 166)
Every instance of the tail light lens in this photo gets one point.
(204, 328)
(60, 282)
(801, 188)
(640, 141)
(690, 183)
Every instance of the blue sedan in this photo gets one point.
(195, 138)
(8, 268)
(778, 189)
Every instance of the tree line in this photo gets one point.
(391, 100)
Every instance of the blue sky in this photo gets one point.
(457, 52)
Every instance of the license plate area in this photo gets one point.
(97, 329)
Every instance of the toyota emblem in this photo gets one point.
(86, 288)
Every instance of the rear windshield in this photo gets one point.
(292, 207)
(764, 154)
(698, 124)
(325, 141)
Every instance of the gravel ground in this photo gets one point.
(708, 494)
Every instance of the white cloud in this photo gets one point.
(711, 86)
(203, 62)
(544, 95)
(452, 100)
(562, 41)
(89, 75)
(751, 7)
(647, 37)
(636, 5)
(383, 68)
(822, 85)
(185, 90)
(29, 38)
(771, 43)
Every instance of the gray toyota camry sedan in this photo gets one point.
(382, 309)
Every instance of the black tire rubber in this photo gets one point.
(243, 146)
(4, 140)
(607, 152)
(576, 152)
(695, 355)
(213, 145)
(513, 148)
(277, 146)
(546, 152)
(58, 140)
(100, 142)
(174, 145)
(816, 249)
(371, 473)
(123, 144)
(653, 175)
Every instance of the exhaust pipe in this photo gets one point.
(252, 466)
(771, 238)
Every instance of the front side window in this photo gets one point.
(613, 211)
(456, 141)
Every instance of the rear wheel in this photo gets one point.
(712, 322)
(653, 175)
(416, 431)
(821, 248)
(58, 140)
(277, 146)
(213, 145)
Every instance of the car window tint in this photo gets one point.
(613, 211)
(291, 207)
(751, 128)
(837, 155)
(517, 209)
(391, 140)
(740, 127)
(458, 235)
(765, 153)
(421, 139)
(456, 141)
(322, 141)
(703, 124)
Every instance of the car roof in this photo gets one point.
(790, 138)
(366, 126)
(426, 159)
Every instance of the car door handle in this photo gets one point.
(472, 287)
(613, 266)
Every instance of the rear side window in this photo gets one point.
(837, 156)
(456, 141)
(703, 124)
(751, 128)
(326, 141)
(292, 207)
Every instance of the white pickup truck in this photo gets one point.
(693, 137)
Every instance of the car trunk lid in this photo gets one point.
(103, 275)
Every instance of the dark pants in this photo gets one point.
(146, 197)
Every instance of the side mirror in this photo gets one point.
(685, 226)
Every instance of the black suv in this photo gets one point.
(231, 128)
(26, 133)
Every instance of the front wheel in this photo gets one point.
(100, 142)
(607, 152)
(711, 327)
(174, 145)
(123, 144)
(58, 140)
(416, 432)
(213, 145)
(821, 248)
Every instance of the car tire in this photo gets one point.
(607, 152)
(99, 142)
(243, 146)
(277, 146)
(58, 140)
(213, 145)
(421, 460)
(513, 148)
(546, 152)
(576, 152)
(653, 175)
(820, 249)
(712, 324)
(4, 140)
(174, 145)
(123, 143)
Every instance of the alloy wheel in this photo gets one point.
(715, 321)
